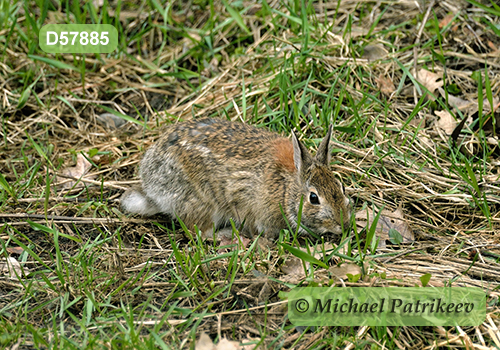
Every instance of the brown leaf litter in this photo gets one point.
(387, 220)
(71, 177)
(446, 121)
(385, 85)
(431, 81)
(11, 268)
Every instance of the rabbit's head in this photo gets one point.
(326, 208)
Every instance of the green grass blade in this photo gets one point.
(303, 255)
(53, 63)
(236, 16)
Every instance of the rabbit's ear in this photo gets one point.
(301, 157)
(323, 155)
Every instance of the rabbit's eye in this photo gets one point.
(313, 198)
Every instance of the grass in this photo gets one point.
(90, 277)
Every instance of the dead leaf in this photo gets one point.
(385, 85)
(225, 344)
(15, 250)
(470, 107)
(387, 221)
(492, 141)
(426, 142)
(252, 346)
(446, 121)
(293, 268)
(346, 268)
(431, 81)
(225, 239)
(10, 268)
(374, 52)
(257, 290)
(205, 343)
(491, 45)
(78, 171)
(265, 292)
(446, 20)
(458, 103)
(110, 120)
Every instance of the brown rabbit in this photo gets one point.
(208, 171)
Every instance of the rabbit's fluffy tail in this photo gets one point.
(135, 201)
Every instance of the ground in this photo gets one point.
(411, 88)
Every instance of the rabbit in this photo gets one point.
(208, 171)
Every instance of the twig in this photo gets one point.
(71, 219)
(417, 41)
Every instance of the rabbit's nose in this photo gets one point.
(346, 213)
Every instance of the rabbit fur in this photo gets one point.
(208, 171)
